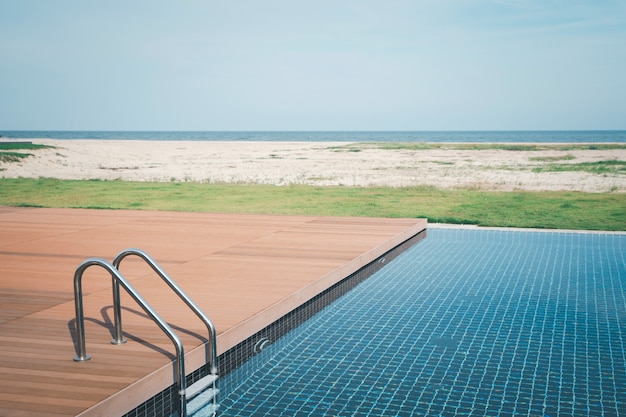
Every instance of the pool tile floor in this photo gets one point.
(465, 323)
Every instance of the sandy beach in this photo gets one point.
(313, 163)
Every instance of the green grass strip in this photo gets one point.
(9, 146)
(611, 166)
(13, 156)
(420, 146)
(558, 210)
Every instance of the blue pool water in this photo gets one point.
(467, 322)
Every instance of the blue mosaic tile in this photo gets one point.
(467, 322)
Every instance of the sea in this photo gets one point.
(490, 136)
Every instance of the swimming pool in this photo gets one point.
(467, 322)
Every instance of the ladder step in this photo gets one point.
(200, 385)
(209, 410)
(204, 401)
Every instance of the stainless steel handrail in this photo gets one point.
(82, 355)
(181, 294)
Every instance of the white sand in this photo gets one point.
(311, 163)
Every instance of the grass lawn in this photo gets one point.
(559, 210)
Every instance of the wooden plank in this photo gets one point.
(243, 270)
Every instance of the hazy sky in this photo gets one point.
(312, 65)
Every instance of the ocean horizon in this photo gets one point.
(486, 136)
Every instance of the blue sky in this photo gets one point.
(313, 65)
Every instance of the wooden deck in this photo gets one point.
(244, 271)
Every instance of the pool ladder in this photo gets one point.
(202, 393)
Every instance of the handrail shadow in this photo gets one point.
(107, 323)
